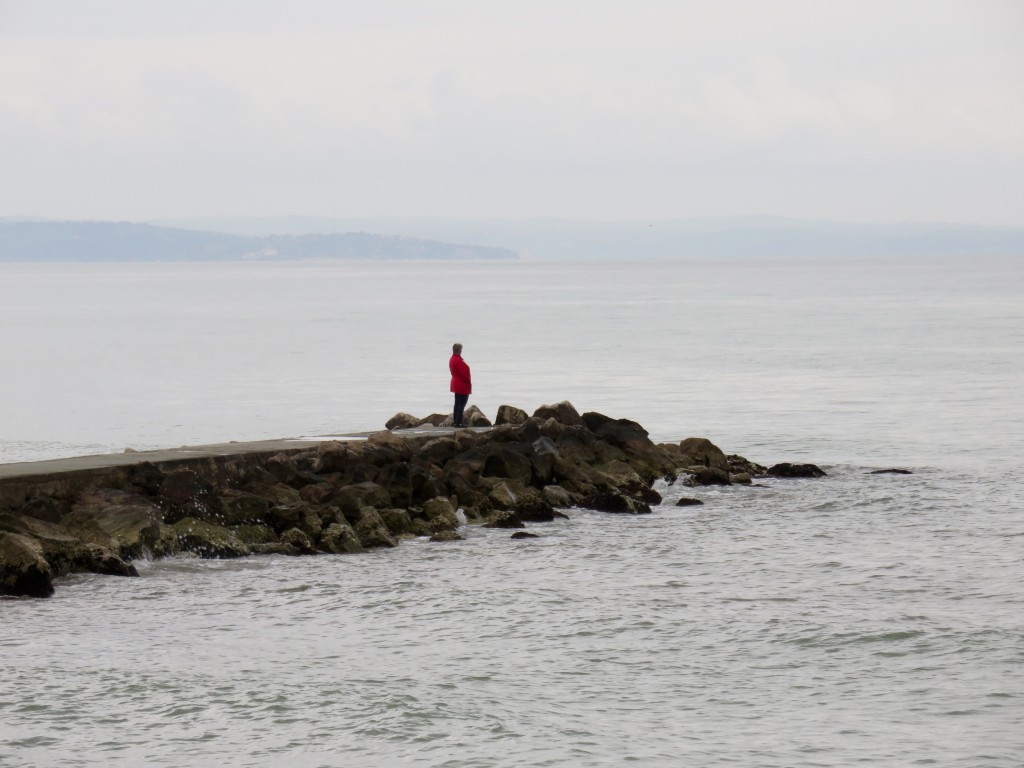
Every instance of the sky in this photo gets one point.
(886, 111)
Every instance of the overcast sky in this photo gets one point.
(632, 109)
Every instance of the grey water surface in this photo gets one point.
(856, 619)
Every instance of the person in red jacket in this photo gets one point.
(462, 384)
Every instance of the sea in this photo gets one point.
(856, 619)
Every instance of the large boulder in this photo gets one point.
(340, 539)
(125, 522)
(403, 481)
(23, 569)
(508, 519)
(242, 507)
(740, 466)
(563, 412)
(207, 540)
(332, 457)
(706, 476)
(397, 521)
(701, 452)
(434, 516)
(544, 455)
(403, 421)
(186, 494)
(577, 444)
(474, 417)
(65, 552)
(352, 498)
(557, 496)
(371, 530)
(509, 414)
(434, 419)
(439, 451)
(505, 461)
(610, 500)
(44, 508)
(282, 468)
(298, 541)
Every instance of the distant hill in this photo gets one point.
(57, 241)
(725, 237)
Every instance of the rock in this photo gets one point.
(504, 461)
(331, 457)
(606, 500)
(893, 471)
(23, 569)
(685, 502)
(742, 478)
(524, 535)
(528, 431)
(241, 507)
(508, 519)
(535, 509)
(275, 548)
(352, 498)
(509, 414)
(126, 522)
(371, 530)
(474, 417)
(283, 469)
(145, 478)
(44, 508)
(557, 496)
(564, 413)
(577, 444)
(318, 493)
(207, 540)
(397, 521)
(299, 541)
(251, 535)
(397, 480)
(439, 451)
(501, 496)
(403, 421)
(435, 419)
(786, 469)
(543, 456)
(706, 476)
(65, 552)
(739, 465)
(185, 494)
(622, 433)
(340, 539)
(438, 515)
(447, 536)
(699, 451)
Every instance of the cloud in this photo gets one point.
(564, 108)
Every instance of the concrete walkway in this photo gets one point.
(27, 469)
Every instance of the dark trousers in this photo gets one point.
(460, 406)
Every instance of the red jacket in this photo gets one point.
(462, 383)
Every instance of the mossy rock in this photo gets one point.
(207, 540)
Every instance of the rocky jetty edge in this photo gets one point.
(347, 496)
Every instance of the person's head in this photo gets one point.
(457, 348)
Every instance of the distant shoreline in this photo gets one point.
(123, 242)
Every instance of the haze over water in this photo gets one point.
(860, 618)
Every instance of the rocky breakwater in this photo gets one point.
(343, 497)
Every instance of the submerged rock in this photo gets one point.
(892, 471)
(687, 502)
(786, 469)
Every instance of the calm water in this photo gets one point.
(858, 619)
